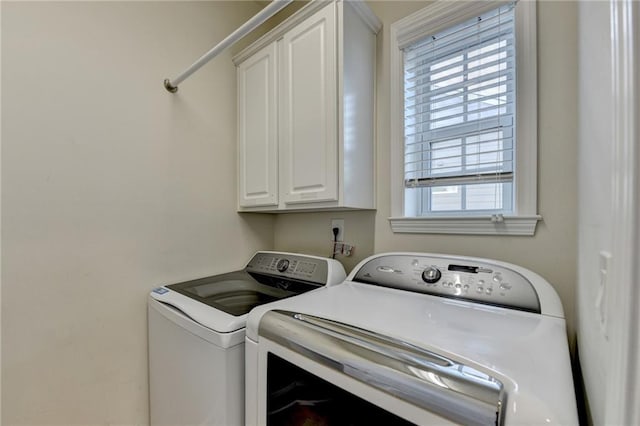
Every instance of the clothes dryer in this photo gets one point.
(414, 338)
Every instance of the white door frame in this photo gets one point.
(623, 384)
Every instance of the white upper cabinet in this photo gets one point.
(306, 112)
(257, 140)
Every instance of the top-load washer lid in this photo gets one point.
(236, 293)
(222, 302)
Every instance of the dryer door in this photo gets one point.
(313, 368)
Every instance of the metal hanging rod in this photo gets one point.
(250, 25)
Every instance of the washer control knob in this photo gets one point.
(282, 265)
(431, 275)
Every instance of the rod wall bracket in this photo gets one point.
(170, 87)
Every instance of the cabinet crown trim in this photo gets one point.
(366, 14)
(361, 8)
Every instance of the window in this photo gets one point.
(464, 119)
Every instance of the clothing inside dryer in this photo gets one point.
(297, 397)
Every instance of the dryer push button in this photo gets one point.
(431, 275)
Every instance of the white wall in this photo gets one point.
(595, 225)
(110, 186)
(609, 209)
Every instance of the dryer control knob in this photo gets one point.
(431, 275)
(282, 265)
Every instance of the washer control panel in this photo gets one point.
(290, 266)
(470, 280)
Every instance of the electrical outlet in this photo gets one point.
(337, 223)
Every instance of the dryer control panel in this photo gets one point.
(452, 277)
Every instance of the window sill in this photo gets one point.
(471, 225)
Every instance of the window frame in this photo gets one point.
(434, 18)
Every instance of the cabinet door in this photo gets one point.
(257, 130)
(308, 136)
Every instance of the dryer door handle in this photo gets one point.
(421, 377)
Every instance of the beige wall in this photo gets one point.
(110, 186)
(552, 251)
(311, 233)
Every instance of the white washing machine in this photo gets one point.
(197, 329)
(412, 338)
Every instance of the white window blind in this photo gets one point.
(459, 117)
